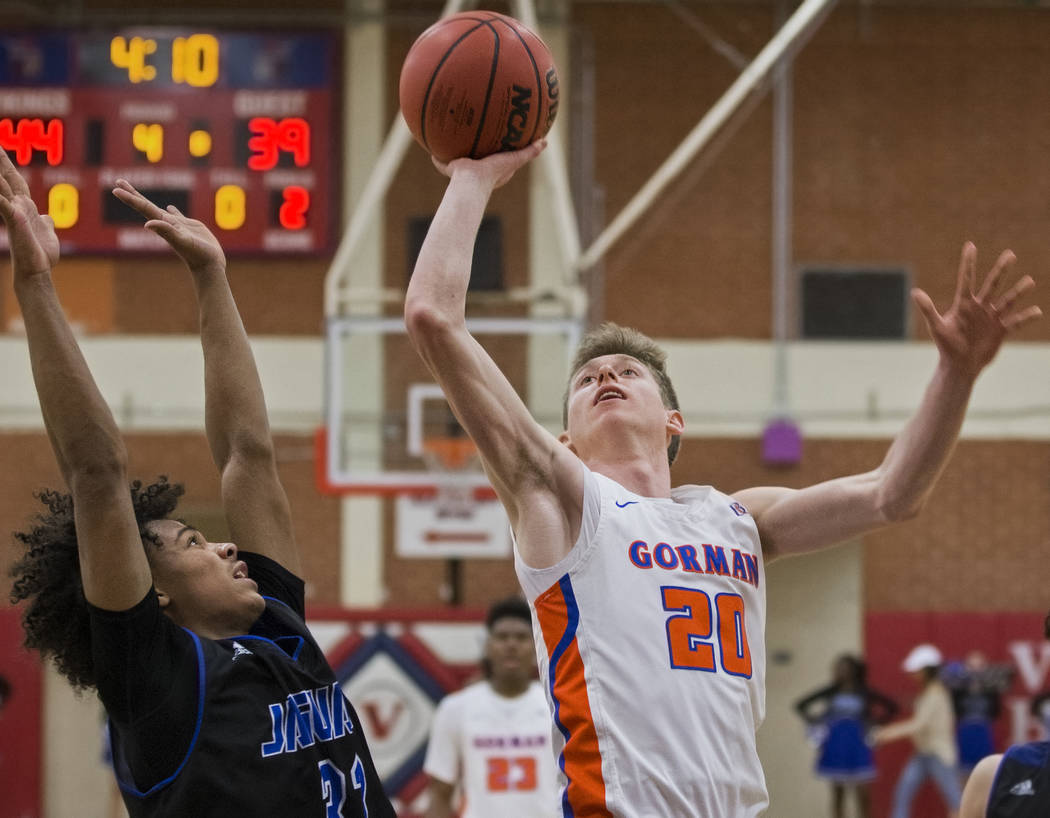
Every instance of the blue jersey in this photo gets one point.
(1022, 783)
(248, 726)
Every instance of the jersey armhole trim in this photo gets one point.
(131, 790)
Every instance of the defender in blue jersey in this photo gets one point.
(219, 700)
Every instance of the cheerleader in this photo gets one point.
(840, 715)
(976, 689)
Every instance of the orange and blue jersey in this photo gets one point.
(650, 638)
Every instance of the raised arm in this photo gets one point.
(83, 434)
(528, 467)
(237, 427)
(967, 336)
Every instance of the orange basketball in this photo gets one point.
(476, 83)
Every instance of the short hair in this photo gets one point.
(48, 579)
(612, 339)
(511, 608)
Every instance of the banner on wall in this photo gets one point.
(1012, 639)
(395, 668)
(19, 723)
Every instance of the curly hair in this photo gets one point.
(47, 577)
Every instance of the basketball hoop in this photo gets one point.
(453, 461)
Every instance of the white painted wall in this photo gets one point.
(76, 780)
(814, 614)
(835, 389)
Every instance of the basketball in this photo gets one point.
(476, 83)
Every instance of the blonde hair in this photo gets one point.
(612, 339)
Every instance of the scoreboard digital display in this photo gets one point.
(234, 128)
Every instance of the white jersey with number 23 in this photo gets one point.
(498, 750)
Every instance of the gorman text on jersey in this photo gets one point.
(705, 559)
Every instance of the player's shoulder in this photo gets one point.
(536, 696)
(715, 503)
(1032, 754)
(465, 696)
(695, 494)
(978, 790)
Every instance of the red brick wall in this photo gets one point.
(905, 145)
(184, 458)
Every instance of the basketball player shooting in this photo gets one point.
(219, 700)
(649, 601)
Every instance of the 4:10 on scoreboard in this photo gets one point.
(233, 128)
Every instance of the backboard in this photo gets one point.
(388, 428)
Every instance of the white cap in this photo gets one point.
(922, 656)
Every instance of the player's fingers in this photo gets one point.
(175, 211)
(16, 184)
(1021, 318)
(967, 267)
(991, 283)
(5, 188)
(926, 307)
(441, 166)
(166, 230)
(136, 201)
(1010, 296)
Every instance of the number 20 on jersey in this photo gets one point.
(706, 636)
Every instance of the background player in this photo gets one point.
(643, 594)
(219, 699)
(843, 712)
(491, 740)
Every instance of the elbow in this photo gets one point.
(893, 500)
(251, 448)
(900, 509)
(427, 325)
(99, 475)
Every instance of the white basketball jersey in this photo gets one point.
(498, 750)
(651, 642)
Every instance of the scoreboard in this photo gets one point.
(234, 128)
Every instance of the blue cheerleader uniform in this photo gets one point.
(845, 757)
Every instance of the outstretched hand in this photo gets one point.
(192, 240)
(971, 331)
(496, 169)
(34, 245)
